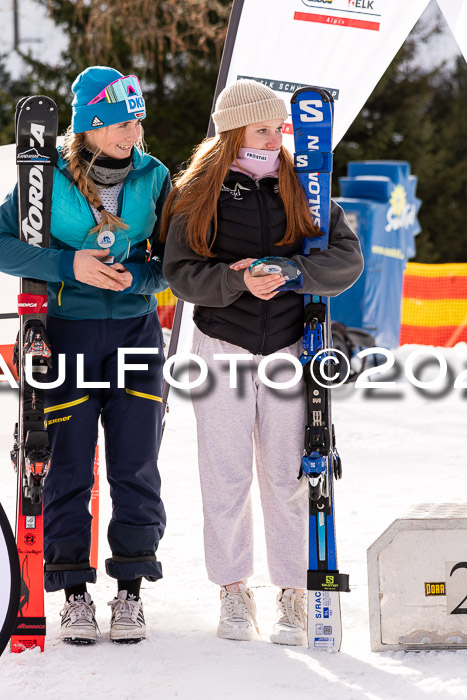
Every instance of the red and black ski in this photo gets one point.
(36, 132)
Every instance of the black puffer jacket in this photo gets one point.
(251, 221)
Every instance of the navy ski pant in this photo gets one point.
(131, 417)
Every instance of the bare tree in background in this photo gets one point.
(153, 31)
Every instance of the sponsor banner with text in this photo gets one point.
(344, 46)
(455, 14)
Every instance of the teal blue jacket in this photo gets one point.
(140, 205)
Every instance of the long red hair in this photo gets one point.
(196, 191)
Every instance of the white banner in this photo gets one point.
(342, 45)
(455, 14)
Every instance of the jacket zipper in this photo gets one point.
(120, 202)
(264, 307)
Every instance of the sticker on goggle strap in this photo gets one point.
(135, 104)
(119, 91)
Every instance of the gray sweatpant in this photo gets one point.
(231, 422)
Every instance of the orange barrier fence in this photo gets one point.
(434, 304)
(94, 510)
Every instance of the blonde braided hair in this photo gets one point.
(79, 169)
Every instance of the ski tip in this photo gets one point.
(322, 92)
(39, 105)
(33, 99)
(21, 102)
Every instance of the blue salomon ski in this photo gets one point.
(312, 118)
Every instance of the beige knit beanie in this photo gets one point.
(246, 102)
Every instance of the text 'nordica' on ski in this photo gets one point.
(36, 132)
(312, 118)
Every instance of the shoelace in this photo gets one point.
(79, 610)
(292, 611)
(124, 608)
(240, 606)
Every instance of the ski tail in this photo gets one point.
(312, 118)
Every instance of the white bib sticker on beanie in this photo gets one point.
(135, 104)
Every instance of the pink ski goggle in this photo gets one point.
(119, 91)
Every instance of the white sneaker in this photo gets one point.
(291, 626)
(79, 624)
(127, 624)
(238, 613)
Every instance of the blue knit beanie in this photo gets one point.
(88, 117)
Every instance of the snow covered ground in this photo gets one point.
(398, 449)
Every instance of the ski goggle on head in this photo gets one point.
(119, 91)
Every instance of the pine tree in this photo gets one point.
(444, 215)
(10, 92)
(418, 114)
